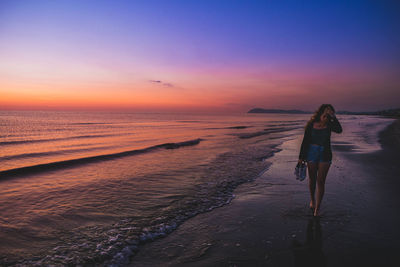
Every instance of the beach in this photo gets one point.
(269, 222)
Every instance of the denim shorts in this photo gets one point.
(316, 153)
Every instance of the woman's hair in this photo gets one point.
(317, 114)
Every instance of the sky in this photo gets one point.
(218, 56)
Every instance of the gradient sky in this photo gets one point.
(199, 55)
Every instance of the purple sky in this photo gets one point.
(199, 55)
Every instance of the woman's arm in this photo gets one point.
(334, 124)
(304, 145)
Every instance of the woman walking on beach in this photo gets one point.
(316, 151)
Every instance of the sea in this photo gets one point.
(89, 188)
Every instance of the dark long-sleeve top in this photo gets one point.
(333, 126)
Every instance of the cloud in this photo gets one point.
(168, 84)
(162, 83)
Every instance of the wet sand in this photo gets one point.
(269, 222)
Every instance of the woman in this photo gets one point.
(316, 151)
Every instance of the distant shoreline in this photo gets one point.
(393, 113)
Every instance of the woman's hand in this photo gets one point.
(329, 115)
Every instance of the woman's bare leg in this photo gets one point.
(323, 168)
(312, 174)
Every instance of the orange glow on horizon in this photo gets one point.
(147, 98)
(221, 90)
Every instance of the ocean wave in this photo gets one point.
(51, 153)
(18, 142)
(85, 160)
(286, 124)
(116, 244)
(90, 123)
(187, 121)
(265, 132)
(285, 121)
(30, 155)
(238, 127)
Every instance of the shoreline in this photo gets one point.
(390, 137)
(269, 224)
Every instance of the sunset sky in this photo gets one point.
(199, 55)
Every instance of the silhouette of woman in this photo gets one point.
(316, 151)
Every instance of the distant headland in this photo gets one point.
(386, 113)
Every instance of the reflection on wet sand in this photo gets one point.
(310, 253)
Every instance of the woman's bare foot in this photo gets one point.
(317, 213)
(312, 206)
